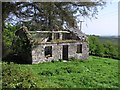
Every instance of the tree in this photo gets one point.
(110, 50)
(48, 14)
(93, 40)
(103, 49)
(99, 51)
(8, 37)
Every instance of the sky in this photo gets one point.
(107, 22)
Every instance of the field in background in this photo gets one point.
(93, 73)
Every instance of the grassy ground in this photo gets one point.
(93, 73)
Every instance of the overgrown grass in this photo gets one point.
(93, 73)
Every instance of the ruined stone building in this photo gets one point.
(55, 45)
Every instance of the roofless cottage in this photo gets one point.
(55, 45)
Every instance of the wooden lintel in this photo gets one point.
(49, 32)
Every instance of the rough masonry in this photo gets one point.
(54, 45)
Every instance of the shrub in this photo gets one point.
(15, 77)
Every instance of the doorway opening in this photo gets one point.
(65, 52)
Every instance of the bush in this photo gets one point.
(15, 77)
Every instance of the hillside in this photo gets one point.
(95, 72)
(113, 39)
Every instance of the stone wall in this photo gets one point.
(38, 53)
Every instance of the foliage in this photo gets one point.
(92, 44)
(22, 47)
(15, 48)
(95, 72)
(15, 76)
(102, 48)
(49, 15)
(8, 38)
(99, 51)
(111, 49)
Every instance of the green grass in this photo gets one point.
(93, 73)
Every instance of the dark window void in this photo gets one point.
(50, 38)
(48, 51)
(79, 48)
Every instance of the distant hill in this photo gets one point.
(113, 39)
